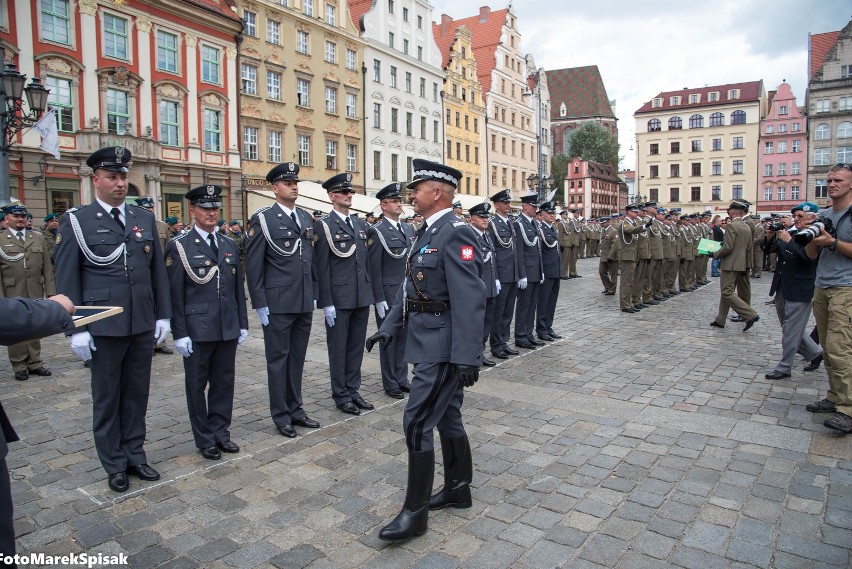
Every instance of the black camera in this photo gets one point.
(807, 234)
(776, 226)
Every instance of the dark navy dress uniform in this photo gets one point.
(531, 268)
(551, 259)
(211, 314)
(489, 271)
(388, 244)
(501, 232)
(281, 276)
(135, 280)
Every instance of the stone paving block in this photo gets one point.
(705, 536)
(521, 534)
(496, 554)
(653, 544)
(437, 560)
(603, 549)
(813, 550)
(751, 553)
(684, 556)
(547, 554)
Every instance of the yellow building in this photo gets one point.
(698, 148)
(464, 109)
(301, 96)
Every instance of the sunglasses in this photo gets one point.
(344, 191)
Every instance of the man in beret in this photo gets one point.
(50, 230)
(551, 260)
(345, 292)
(532, 273)
(282, 286)
(736, 255)
(175, 226)
(108, 254)
(508, 263)
(444, 304)
(209, 320)
(164, 235)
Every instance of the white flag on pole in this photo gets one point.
(46, 127)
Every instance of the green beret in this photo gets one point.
(171, 220)
(49, 216)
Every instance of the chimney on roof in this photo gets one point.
(483, 13)
(445, 19)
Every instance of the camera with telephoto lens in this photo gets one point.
(776, 226)
(807, 234)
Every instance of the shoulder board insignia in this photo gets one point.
(458, 223)
(251, 232)
(228, 237)
(58, 238)
(261, 210)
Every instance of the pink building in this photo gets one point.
(595, 189)
(784, 154)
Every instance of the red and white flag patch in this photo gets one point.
(467, 252)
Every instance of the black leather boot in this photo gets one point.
(414, 518)
(458, 474)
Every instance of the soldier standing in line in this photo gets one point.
(164, 235)
(50, 230)
(687, 269)
(282, 285)
(209, 322)
(574, 229)
(562, 229)
(529, 262)
(581, 251)
(25, 271)
(628, 232)
(443, 306)
(458, 211)
(643, 260)
(660, 283)
(479, 223)
(388, 243)
(655, 240)
(608, 265)
(235, 232)
(551, 260)
(509, 266)
(674, 268)
(345, 292)
(736, 255)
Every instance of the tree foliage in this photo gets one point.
(594, 142)
(559, 169)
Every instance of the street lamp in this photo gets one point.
(12, 115)
(539, 182)
(540, 185)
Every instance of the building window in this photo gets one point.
(331, 52)
(377, 71)
(717, 119)
(391, 39)
(738, 117)
(169, 123)
(717, 144)
(782, 127)
(304, 150)
(390, 6)
(302, 42)
(674, 148)
(308, 7)
(408, 82)
(713, 96)
(674, 195)
(449, 149)
(351, 59)
(61, 100)
(303, 92)
(351, 105)
(475, 124)
(423, 132)
(273, 32)
(273, 85)
(420, 52)
(695, 146)
(434, 92)
(769, 129)
(212, 130)
(394, 166)
(209, 64)
(377, 115)
(409, 124)
(767, 193)
(696, 121)
(655, 194)
(794, 192)
(274, 146)
(393, 76)
(696, 168)
(654, 148)
(695, 194)
(716, 168)
(331, 100)
(822, 132)
(166, 51)
(404, 49)
(654, 125)
(674, 170)
(675, 123)
(781, 193)
(330, 15)
(795, 168)
(249, 77)
(55, 21)
(821, 189)
(423, 87)
(716, 193)
(737, 191)
(844, 104)
(118, 111)
(694, 98)
(767, 169)
(767, 148)
(654, 171)
(331, 155)
(737, 142)
(115, 36)
(796, 127)
(737, 167)
(823, 105)
(821, 156)
(782, 169)
(394, 126)
(657, 103)
(476, 154)
(675, 101)
(435, 131)
(419, 22)
(250, 143)
(377, 165)
(844, 129)
(782, 147)
(796, 146)
(844, 154)
(351, 154)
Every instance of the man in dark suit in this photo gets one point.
(108, 254)
(479, 223)
(443, 306)
(23, 319)
(163, 234)
(509, 266)
(282, 285)
(736, 256)
(209, 320)
(551, 259)
(345, 292)
(529, 256)
(388, 243)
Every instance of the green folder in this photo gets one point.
(708, 246)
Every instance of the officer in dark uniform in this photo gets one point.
(479, 222)
(164, 235)
(108, 254)
(502, 235)
(551, 259)
(345, 292)
(443, 306)
(532, 273)
(210, 321)
(282, 286)
(388, 243)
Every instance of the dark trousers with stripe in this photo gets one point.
(210, 368)
(286, 342)
(435, 401)
(525, 311)
(345, 342)
(504, 311)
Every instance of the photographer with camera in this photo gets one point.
(830, 240)
(793, 286)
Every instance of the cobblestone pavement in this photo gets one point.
(645, 440)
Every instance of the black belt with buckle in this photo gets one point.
(427, 306)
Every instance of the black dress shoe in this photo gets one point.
(563, 278)
(211, 453)
(228, 446)
(546, 337)
(87, 363)
(814, 365)
(307, 422)
(510, 351)
(287, 430)
(715, 324)
(488, 363)
(555, 336)
(501, 355)
(777, 375)
(22, 375)
(118, 482)
(42, 371)
(361, 404)
(629, 310)
(143, 472)
(405, 388)
(535, 342)
(347, 407)
(640, 306)
(524, 344)
(395, 393)
(163, 350)
(750, 323)
(652, 302)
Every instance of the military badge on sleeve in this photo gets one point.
(467, 252)
(169, 261)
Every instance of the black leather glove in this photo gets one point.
(383, 338)
(468, 375)
(649, 224)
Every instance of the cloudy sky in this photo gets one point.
(643, 47)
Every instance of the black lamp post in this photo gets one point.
(13, 116)
(540, 185)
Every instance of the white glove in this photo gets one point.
(330, 315)
(161, 330)
(315, 305)
(497, 284)
(184, 346)
(382, 308)
(83, 345)
(522, 284)
(263, 314)
(542, 279)
(243, 336)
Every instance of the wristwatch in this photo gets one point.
(833, 246)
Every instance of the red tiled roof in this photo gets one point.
(487, 28)
(358, 8)
(445, 37)
(581, 89)
(221, 7)
(818, 48)
(749, 91)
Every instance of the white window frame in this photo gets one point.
(351, 105)
(308, 7)
(273, 85)
(303, 42)
(330, 52)
(822, 156)
(274, 148)
(250, 23)
(61, 98)
(331, 100)
(248, 76)
(207, 64)
(351, 59)
(250, 144)
(330, 14)
(273, 32)
(304, 146)
(351, 157)
(303, 92)
(168, 126)
(331, 155)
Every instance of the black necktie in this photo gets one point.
(116, 215)
(213, 246)
(399, 227)
(293, 217)
(349, 222)
(21, 236)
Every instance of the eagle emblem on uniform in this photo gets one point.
(210, 190)
(119, 152)
(467, 252)
(169, 261)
